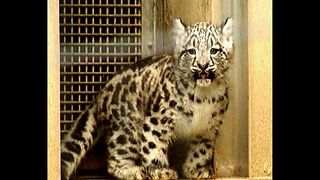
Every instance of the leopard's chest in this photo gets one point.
(201, 120)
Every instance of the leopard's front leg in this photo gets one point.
(199, 161)
(156, 137)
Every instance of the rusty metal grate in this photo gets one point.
(97, 38)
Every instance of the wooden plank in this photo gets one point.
(53, 120)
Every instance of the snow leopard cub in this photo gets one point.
(146, 110)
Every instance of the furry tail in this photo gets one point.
(78, 141)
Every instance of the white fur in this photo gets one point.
(185, 128)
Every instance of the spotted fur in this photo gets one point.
(146, 110)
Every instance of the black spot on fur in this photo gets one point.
(204, 140)
(156, 133)
(221, 111)
(191, 97)
(214, 114)
(105, 100)
(164, 73)
(180, 108)
(144, 160)
(115, 97)
(195, 155)
(172, 103)
(124, 95)
(121, 139)
(145, 79)
(111, 145)
(138, 161)
(133, 150)
(67, 157)
(115, 126)
(203, 151)
(163, 120)
(122, 151)
(122, 124)
(73, 147)
(113, 158)
(221, 98)
(151, 145)
(163, 111)
(145, 150)
(128, 131)
(198, 100)
(132, 140)
(154, 121)
(156, 108)
(146, 128)
(133, 87)
(213, 100)
(143, 138)
(78, 136)
(208, 146)
(109, 88)
(122, 110)
(126, 79)
(115, 114)
(131, 126)
(164, 150)
(130, 106)
(166, 92)
(189, 113)
(216, 132)
(148, 113)
(149, 104)
(185, 83)
(139, 104)
(198, 166)
(164, 131)
(80, 125)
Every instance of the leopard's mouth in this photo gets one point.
(204, 78)
(204, 75)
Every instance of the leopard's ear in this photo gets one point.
(227, 37)
(179, 27)
(227, 27)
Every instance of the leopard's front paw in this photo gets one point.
(200, 173)
(163, 173)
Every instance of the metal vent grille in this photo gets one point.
(97, 39)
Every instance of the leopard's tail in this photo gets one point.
(78, 141)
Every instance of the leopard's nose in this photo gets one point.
(203, 66)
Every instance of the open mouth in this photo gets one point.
(204, 79)
(204, 75)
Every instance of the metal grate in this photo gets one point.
(97, 39)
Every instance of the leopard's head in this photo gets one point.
(203, 50)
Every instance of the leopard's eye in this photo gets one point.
(191, 51)
(214, 51)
